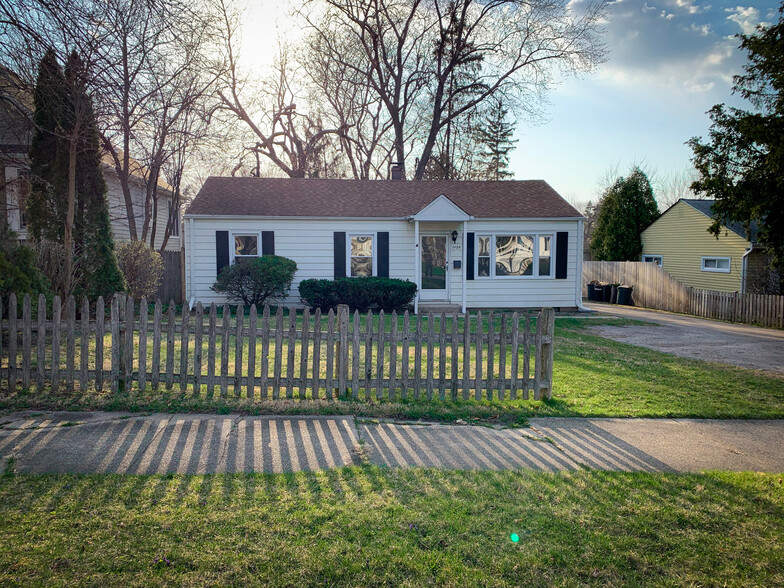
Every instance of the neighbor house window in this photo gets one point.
(22, 193)
(360, 254)
(716, 264)
(657, 259)
(245, 247)
(514, 256)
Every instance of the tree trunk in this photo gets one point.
(69, 219)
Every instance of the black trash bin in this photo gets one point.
(607, 293)
(591, 291)
(625, 295)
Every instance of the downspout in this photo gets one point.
(190, 263)
(578, 279)
(463, 272)
(416, 266)
(744, 268)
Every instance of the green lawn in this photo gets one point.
(365, 526)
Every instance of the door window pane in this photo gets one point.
(434, 263)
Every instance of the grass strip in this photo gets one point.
(369, 526)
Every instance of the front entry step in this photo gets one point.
(439, 307)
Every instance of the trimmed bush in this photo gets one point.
(361, 294)
(257, 280)
(142, 267)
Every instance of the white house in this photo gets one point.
(509, 244)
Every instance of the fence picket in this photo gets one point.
(85, 351)
(515, 356)
(442, 357)
(70, 350)
(155, 368)
(128, 342)
(304, 353)
(27, 334)
(116, 345)
(224, 366)
(367, 373)
(278, 353)
(404, 350)
(198, 349)
(184, 343)
(212, 336)
(430, 362)
(453, 374)
(355, 356)
(144, 313)
(418, 336)
(40, 354)
(466, 356)
(502, 358)
(392, 392)
(239, 344)
(265, 341)
(538, 358)
(170, 346)
(478, 364)
(330, 354)
(250, 392)
(490, 355)
(379, 384)
(526, 356)
(292, 340)
(315, 381)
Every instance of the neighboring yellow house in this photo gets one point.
(680, 243)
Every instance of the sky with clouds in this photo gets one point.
(669, 62)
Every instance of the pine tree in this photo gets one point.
(65, 161)
(495, 138)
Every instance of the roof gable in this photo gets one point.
(319, 198)
(706, 208)
(442, 209)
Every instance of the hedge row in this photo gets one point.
(361, 294)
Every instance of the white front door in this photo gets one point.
(434, 265)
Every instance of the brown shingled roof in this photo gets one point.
(375, 198)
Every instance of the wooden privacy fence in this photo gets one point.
(657, 289)
(298, 355)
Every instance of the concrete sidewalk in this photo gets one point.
(195, 444)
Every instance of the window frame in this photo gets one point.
(232, 247)
(535, 271)
(716, 270)
(659, 257)
(373, 251)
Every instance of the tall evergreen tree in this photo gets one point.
(495, 138)
(69, 192)
(627, 208)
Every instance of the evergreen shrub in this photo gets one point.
(257, 280)
(360, 294)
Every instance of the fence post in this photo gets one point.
(342, 348)
(545, 326)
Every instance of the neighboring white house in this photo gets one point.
(509, 244)
(15, 136)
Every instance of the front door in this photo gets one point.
(434, 263)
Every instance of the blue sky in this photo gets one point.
(669, 62)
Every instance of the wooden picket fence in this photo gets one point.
(302, 355)
(656, 288)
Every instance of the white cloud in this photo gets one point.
(703, 30)
(688, 5)
(666, 16)
(697, 88)
(747, 18)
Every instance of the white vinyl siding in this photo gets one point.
(310, 243)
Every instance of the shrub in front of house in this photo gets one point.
(141, 266)
(257, 280)
(361, 294)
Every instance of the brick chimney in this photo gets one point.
(395, 171)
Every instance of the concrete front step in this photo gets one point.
(439, 308)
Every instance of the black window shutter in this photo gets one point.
(268, 242)
(340, 254)
(383, 254)
(221, 249)
(470, 244)
(561, 254)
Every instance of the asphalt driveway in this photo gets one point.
(742, 345)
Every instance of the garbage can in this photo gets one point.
(625, 295)
(614, 294)
(591, 291)
(607, 293)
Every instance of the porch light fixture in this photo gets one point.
(454, 236)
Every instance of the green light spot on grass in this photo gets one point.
(514, 537)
